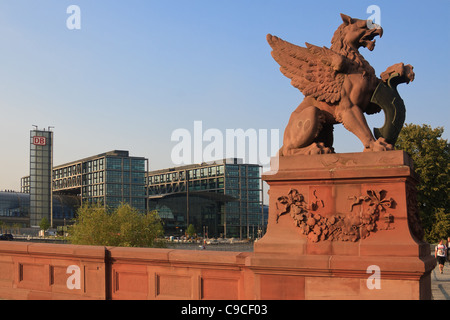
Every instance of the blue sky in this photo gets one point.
(138, 70)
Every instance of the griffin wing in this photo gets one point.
(315, 71)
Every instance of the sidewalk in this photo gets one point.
(440, 283)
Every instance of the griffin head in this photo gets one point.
(356, 33)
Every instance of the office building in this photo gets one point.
(223, 198)
(109, 178)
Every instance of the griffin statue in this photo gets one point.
(339, 87)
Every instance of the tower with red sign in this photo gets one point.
(41, 164)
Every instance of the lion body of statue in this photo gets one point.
(338, 84)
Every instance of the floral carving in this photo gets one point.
(341, 227)
(414, 222)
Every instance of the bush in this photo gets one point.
(121, 227)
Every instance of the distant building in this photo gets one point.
(108, 178)
(224, 198)
(15, 208)
(221, 198)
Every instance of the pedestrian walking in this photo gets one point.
(440, 253)
(448, 249)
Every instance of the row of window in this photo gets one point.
(114, 190)
(42, 172)
(181, 175)
(67, 171)
(251, 195)
(205, 186)
(40, 153)
(67, 183)
(207, 172)
(14, 212)
(125, 177)
(125, 164)
(244, 204)
(40, 162)
(231, 182)
(242, 183)
(98, 165)
(98, 178)
(112, 202)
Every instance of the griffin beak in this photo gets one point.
(376, 30)
(368, 40)
(379, 30)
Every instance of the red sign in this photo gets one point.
(39, 141)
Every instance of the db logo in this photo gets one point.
(39, 141)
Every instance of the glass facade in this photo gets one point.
(40, 182)
(109, 178)
(244, 217)
(222, 198)
(15, 207)
(124, 182)
(204, 212)
(235, 211)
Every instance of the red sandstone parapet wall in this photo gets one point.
(40, 271)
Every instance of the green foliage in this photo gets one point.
(44, 224)
(431, 154)
(191, 230)
(441, 227)
(121, 227)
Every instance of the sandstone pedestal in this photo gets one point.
(343, 226)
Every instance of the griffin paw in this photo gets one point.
(314, 148)
(379, 145)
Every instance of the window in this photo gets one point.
(137, 164)
(114, 163)
(232, 170)
(253, 183)
(114, 176)
(126, 164)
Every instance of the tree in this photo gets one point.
(92, 226)
(44, 224)
(441, 227)
(121, 227)
(431, 155)
(191, 230)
